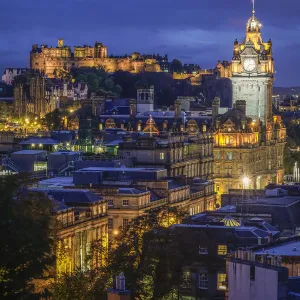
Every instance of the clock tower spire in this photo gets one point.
(252, 70)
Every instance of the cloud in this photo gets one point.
(195, 31)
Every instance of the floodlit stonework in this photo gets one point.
(51, 60)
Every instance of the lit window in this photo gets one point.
(125, 202)
(229, 155)
(125, 223)
(110, 203)
(110, 223)
(203, 279)
(221, 285)
(202, 250)
(217, 188)
(222, 249)
(162, 155)
(186, 279)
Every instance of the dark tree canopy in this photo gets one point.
(176, 66)
(26, 229)
(98, 81)
(53, 120)
(148, 253)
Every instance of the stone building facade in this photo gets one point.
(190, 154)
(31, 97)
(79, 227)
(244, 147)
(10, 74)
(248, 141)
(51, 60)
(40, 96)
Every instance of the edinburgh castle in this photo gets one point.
(51, 60)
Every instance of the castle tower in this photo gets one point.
(145, 98)
(60, 43)
(253, 72)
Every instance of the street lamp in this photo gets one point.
(246, 182)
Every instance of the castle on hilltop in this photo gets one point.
(50, 60)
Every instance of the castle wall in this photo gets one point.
(49, 61)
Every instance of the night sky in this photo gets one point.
(194, 31)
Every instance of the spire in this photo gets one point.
(253, 9)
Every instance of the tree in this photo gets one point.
(5, 110)
(149, 256)
(166, 96)
(27, 237)
(127, 81)
(176, 66)
(147, 252)
(53, 120)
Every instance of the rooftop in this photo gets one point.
(130, 191)
(29, 152)
(291, 248)
(43, 141)
(71, 196)
(241, 231)
(57, 182)
(65, 153)
(122, 169)
(273, 201)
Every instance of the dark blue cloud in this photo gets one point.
(194, 31)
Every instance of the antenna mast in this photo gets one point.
(253, 8)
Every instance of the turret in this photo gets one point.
(60, 43)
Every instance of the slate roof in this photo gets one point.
(43, 141)
(285, 249)
(71, 196)
(29, 152)
(133, 191)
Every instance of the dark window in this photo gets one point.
(110, 223)
(125, 223)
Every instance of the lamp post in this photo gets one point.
(246, 182)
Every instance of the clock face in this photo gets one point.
(249, 64)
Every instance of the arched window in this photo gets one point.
(142, 96)
(227, 140)
(146, 96)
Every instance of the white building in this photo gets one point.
(10, 73)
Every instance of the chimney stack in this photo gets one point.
(241, 105)
(215, 107)
(132, 107)
(177, 109)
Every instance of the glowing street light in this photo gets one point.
(246, 181)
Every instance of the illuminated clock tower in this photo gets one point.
(252, 70)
